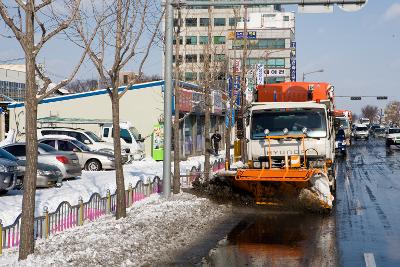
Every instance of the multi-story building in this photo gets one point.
(270, 41)
(12, 82)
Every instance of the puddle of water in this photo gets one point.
(267, 240)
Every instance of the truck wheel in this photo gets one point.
(3, 192)
(93, 165)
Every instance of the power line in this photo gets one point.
(11, 60)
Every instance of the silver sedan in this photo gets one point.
(66, 162)
(89, 160)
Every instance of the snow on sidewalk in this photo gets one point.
(87, 184)
(154, 231)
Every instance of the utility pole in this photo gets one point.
(169, 32)
(241, 118)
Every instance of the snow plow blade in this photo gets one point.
(271, 175)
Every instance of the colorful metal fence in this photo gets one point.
(67, 216)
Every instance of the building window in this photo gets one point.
(260, 44)
(180, 41)
(203, 40)
(285, 18)
(191, 22)
(202, 58)
(204, 22)
(179, 58)
(191, 40)
(125, 79)
(219, 57)
(219, 39)
(276, 63)
(219, 22)
(275, 80)
(190, 76)
(233, 21)
(191, 58)
(202, 76)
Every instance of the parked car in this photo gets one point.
(340, 142)
(87, 137)
(66, 162)
(47, 175)
(8, 172)
(393, 137)
(361, 132)
(380, 132)
(89, 160)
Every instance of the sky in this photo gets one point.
(358, 51)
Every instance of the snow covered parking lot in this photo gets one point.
(154, 231)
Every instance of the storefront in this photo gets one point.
(192, 137)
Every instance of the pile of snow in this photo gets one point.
(154, 231)
(319, 195)
(87, 184)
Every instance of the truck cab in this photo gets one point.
(129, 136)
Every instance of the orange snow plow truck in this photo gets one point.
(290, 145)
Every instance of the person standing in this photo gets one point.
(216, 138)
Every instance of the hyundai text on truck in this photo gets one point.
(290, 147)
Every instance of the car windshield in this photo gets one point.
(6, 155)
(93, 136)
(295, 120)
(362, 128)
(380, 130)
(82, 146)
(392, 131)
(134, 132)
(46, 148)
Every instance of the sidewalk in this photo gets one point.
(154, 231)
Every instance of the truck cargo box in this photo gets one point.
(294, 92)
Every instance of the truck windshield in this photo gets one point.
(342, 122)
(134, 132)
(93, 136)
(295, 120)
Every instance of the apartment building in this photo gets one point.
(270, 43)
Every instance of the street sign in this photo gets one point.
(381, 97)
(355, 98)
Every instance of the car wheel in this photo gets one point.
(93, 165)
(3, 192)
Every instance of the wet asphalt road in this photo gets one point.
(368, 205)
(366, 219)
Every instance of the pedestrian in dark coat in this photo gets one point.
(216, 138)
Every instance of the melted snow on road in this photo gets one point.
(154, 231)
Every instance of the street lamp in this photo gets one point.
(315, 71)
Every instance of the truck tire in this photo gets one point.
(3, 192)
(93, 165)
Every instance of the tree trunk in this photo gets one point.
(207, 105)
(119, 172)
(177, 169)
(26, 246)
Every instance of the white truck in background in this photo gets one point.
(130, 137)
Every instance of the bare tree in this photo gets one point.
(35, 23)
(370, 112)
(176, 181)
(127, 32)
(392, 112)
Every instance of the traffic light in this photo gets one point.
(355, 98)
(381, 97)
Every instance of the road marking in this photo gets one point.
(369, 260)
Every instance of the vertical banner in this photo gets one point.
(293, 62)
(260, 74)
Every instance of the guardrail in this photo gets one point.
(68, 216)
